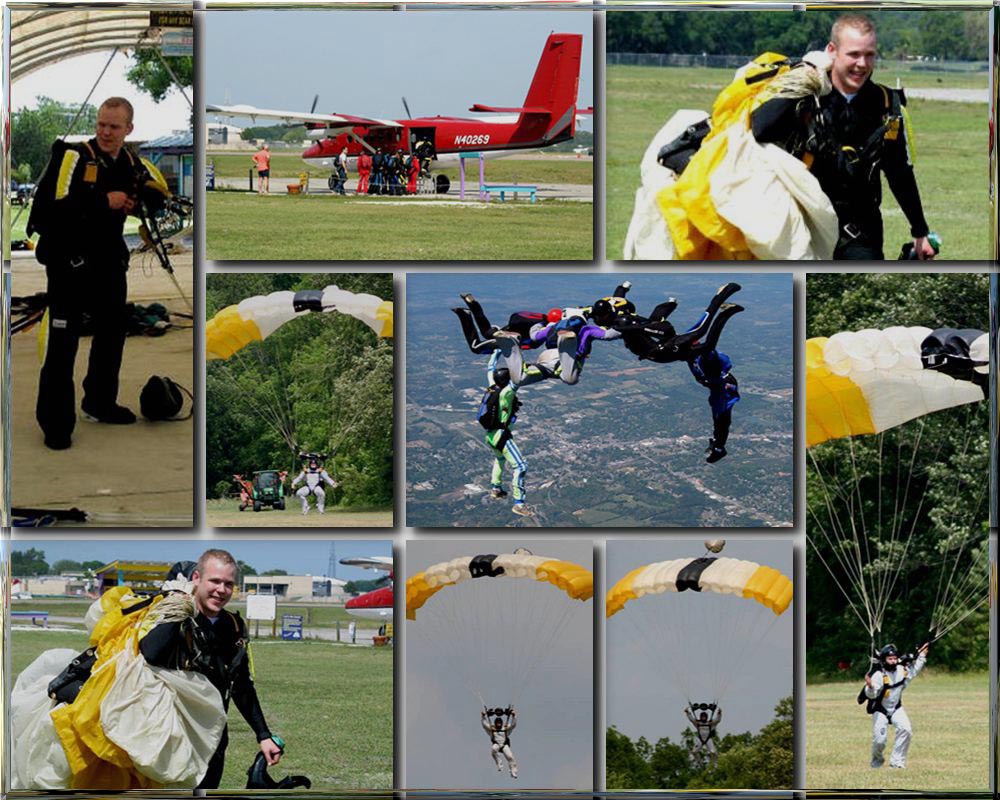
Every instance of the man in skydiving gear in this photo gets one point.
(314, 476)
(704, 729)
(497, 413)
(713, 371)
(499, 734)
(653, 337)
(884, 690)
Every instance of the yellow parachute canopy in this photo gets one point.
(256, 318)
(734, 576)
(573, 579)
(868, 381)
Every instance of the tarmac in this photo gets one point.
(134, 475)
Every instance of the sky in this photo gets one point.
(644, 692)
(71, 80)
(553, 742)
(363, 62)
(295, 556)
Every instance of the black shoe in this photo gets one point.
(60, 441)
(112, 415)
(467, 298)
(722, 295)
(715, 452)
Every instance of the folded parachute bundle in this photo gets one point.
(734, 199)
(122, 724)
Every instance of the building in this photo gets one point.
(173, 155)
(295, 587)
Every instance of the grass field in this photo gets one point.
(285, 168)
(950, 749)
(952, 165)
(226, 513)
(244, 226)
(332, 704)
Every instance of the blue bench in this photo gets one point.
(32, 615)
(512, 188)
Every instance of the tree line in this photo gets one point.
(945, 35)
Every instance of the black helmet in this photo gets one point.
(501, 376)
(602, 311)
(888, 650)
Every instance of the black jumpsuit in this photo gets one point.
(223, 660)
(85, 260)
(849, 162)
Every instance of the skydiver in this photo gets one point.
(884, 690)
(499, 734)
(653, 337)
(713, 370)
(314, 476)
(378, 173)
(341, 168)
(704, 729)
(497, 413)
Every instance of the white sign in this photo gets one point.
(262, 606)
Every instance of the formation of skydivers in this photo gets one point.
(566, 337)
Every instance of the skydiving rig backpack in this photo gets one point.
(489, 408)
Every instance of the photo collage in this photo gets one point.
(304, 301)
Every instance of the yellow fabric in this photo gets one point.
(384, 313)
(66, 168)
(156, 180)
(227, 332)
(740, 97)
(621, 593)
(98, 763)
(418, 592)
(770, 588)
(576, 581)
(835, 406)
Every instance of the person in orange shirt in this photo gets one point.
(364, 171)
(262, 163)
(413, 165)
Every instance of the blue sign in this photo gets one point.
(291, 626)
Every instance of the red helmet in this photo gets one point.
(554, 315)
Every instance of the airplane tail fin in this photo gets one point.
(550, 107)
(556, 82)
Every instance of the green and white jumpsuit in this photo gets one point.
(505, 451)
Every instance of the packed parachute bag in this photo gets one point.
(710, 191)
(104, 719)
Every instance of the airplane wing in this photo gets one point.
(301, 117)
(513, 110)
(381, 563)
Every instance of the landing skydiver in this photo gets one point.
(499, 733)
(884, 691)
(713, 370)
(314, 476)
(704, 728)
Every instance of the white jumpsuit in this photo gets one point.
(899, 679)
(314, 478)
(704, 732)
(500, 744)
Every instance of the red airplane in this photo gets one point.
(548, 116)
(376, 604)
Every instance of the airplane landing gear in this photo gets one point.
(442, 184)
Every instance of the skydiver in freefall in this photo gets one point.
(499, 734)
(704, 729)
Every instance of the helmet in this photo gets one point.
(573, 312)
(888, 650)
(554, 315)
(501, 376)
(602, 311)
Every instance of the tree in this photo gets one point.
(243, 568)
(25, 563)
(360, 587)
(273, 572)
(65, 565)
(33, 130)
(150, 76)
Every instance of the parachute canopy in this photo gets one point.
(256, 318)
(574, 580)
(746, 579)
(871, 380)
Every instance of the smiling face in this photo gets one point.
(113, 126)
(214, 586)
(853, 55)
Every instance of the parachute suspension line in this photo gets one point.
(271, 414)
(173, 77)
(93, 88)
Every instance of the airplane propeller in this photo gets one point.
(407, 107)
(315, 101)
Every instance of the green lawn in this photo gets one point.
(19, 223)
(332, 705)
(950, 749)
(321, 227)
(286, 168)
(952, 165)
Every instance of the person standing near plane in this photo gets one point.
(364, 171)
(342, 172)
(413, 165)
(262, 163)
(378, 174)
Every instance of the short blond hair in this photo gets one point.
(119, 102)
(222, 556)
(859, 22)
